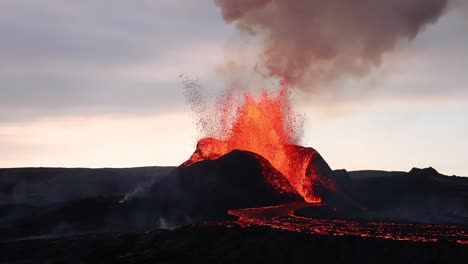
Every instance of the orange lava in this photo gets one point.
(283, 217)
(267, 127)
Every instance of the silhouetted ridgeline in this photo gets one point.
(36, 186)
(61, 202)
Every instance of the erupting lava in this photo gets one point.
(266, 127)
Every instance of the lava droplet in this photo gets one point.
(265, 126)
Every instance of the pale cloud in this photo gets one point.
(431, 70)
(100, 141)
(95, 83)
(124, 57)
(101, 57)
(393, 137)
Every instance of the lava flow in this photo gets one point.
(266, 127)
(283, 217)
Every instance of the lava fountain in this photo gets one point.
(267, 126)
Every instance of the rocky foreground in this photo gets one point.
(221, 244)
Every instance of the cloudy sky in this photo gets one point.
(96, 84)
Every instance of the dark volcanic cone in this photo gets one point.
(208, 189)
(309, 173)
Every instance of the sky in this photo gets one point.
(96, 84)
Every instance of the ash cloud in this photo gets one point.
(461, 6)
(313, 42)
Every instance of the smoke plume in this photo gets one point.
(312, 42)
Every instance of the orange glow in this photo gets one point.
(284, 217)
(266, 127)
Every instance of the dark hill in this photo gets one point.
(421, 195)
(203, 191)
(208, 189)
(42, 186)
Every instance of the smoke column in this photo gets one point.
(310, 43)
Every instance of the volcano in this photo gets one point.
(253, 160)
(311, 176)
(208, 189)
(268, 127)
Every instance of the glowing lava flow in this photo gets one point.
(283, 217)
(267, 127)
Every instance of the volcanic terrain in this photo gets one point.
(230, 209)
(252, 187)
